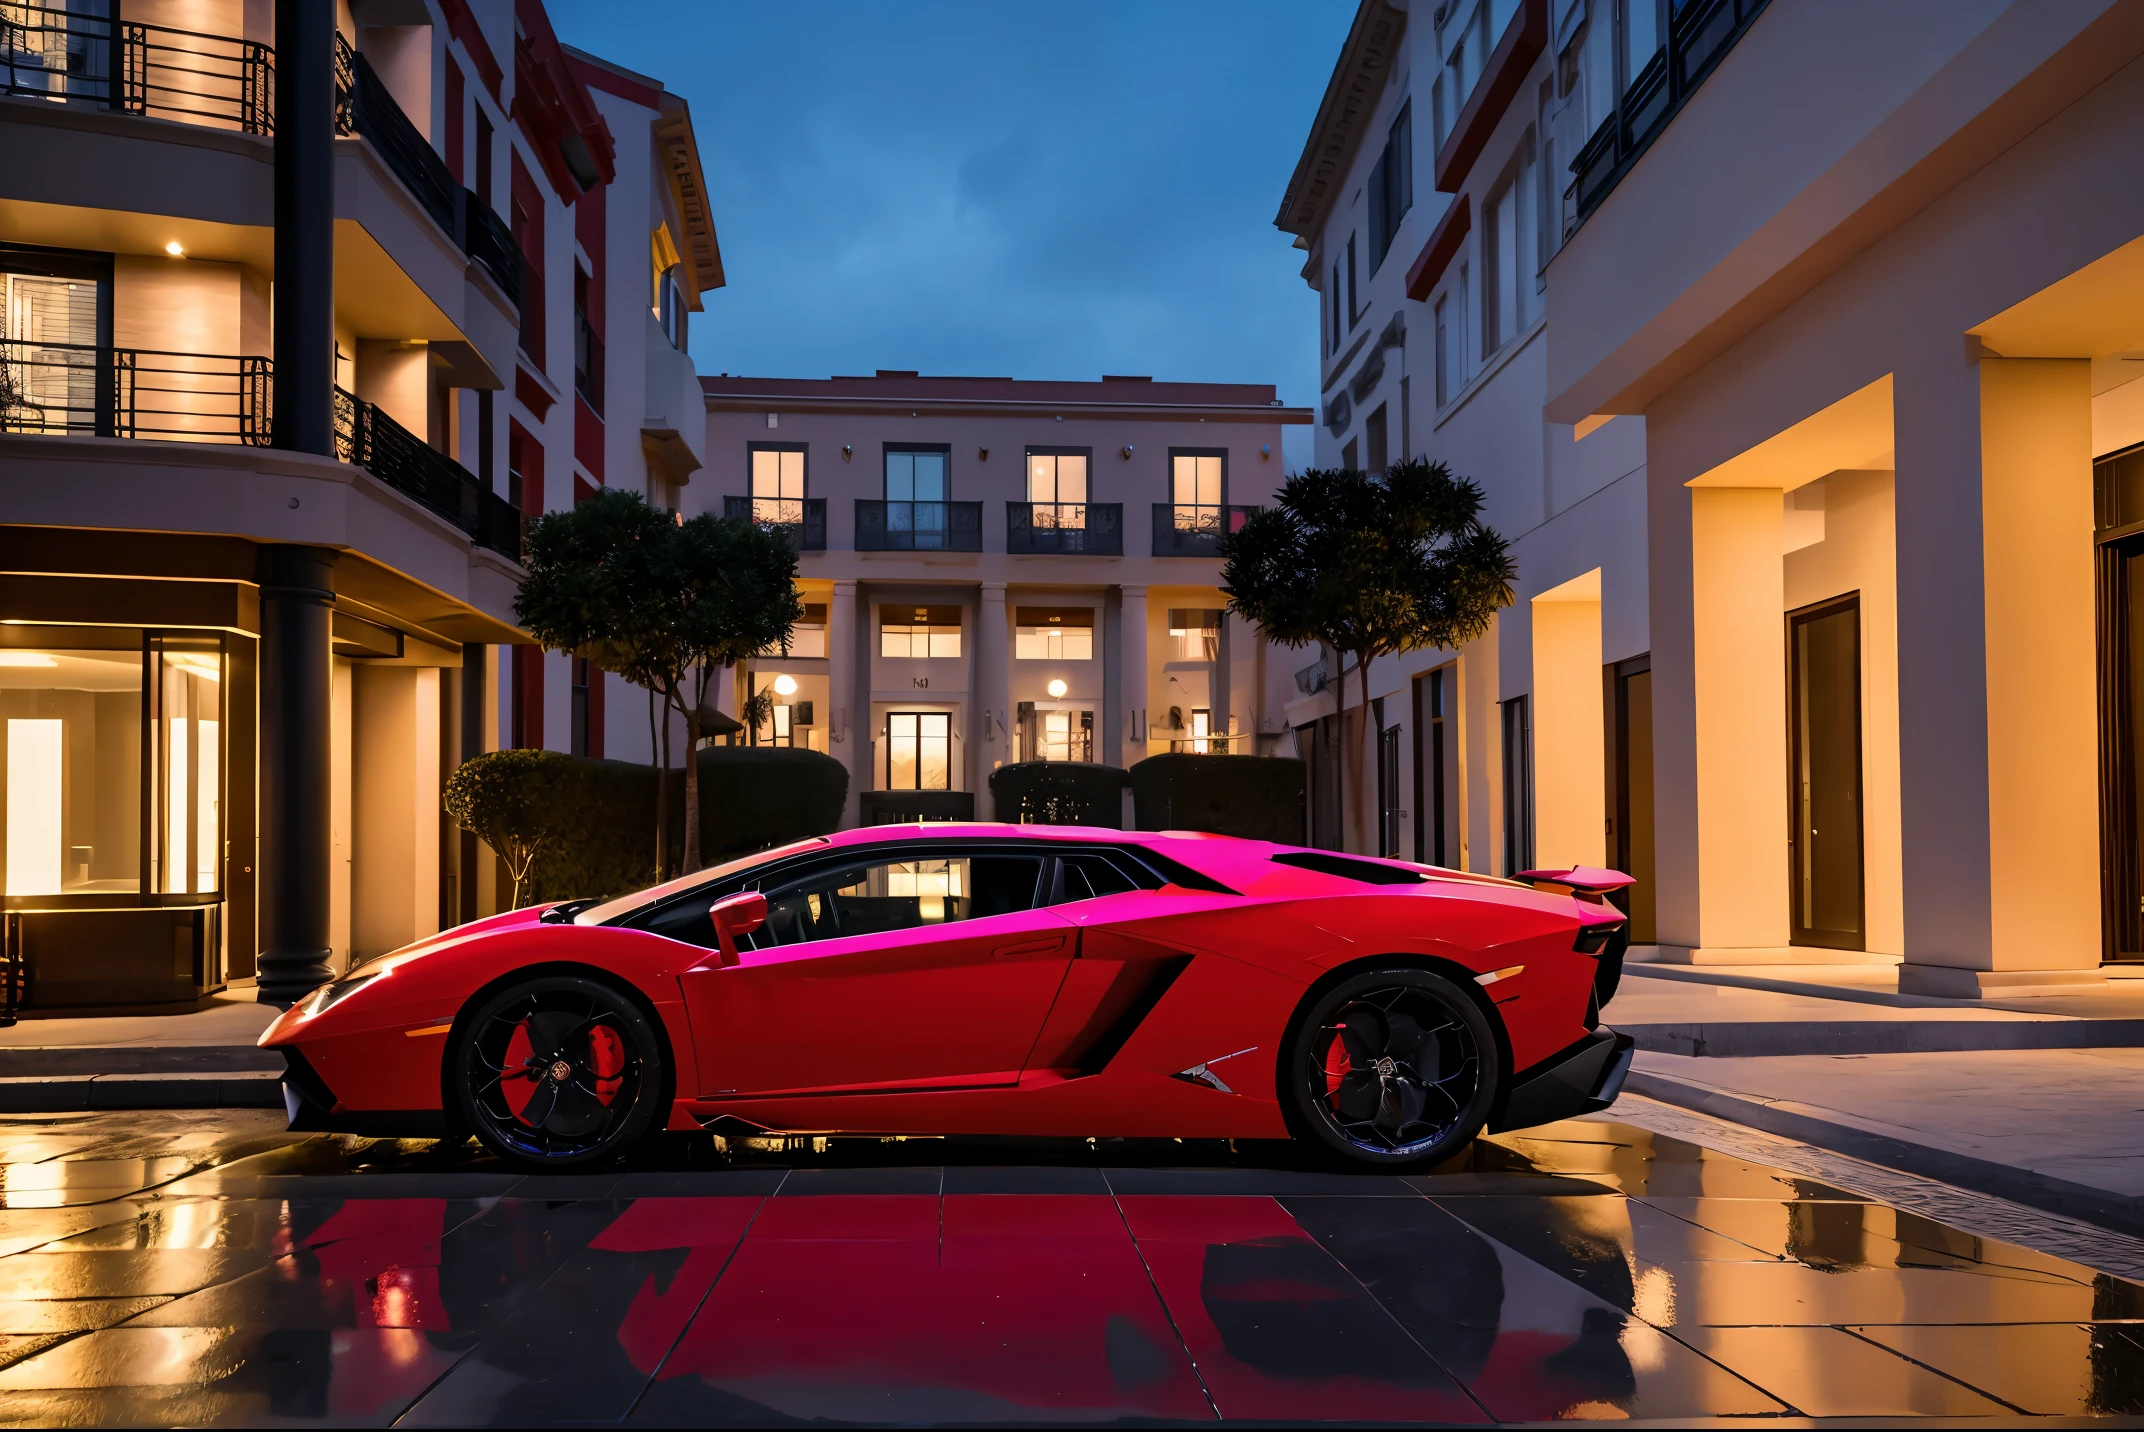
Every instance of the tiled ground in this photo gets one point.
(180, 1268)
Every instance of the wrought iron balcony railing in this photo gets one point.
(72, 388)
(1700, 33)
(485, 238)
(366, 437)
(801, 519)
(883, 526)
(365, 106)
(53, 53)
(1087, 528)
(1194, 530)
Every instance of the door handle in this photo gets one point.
(1049, 945)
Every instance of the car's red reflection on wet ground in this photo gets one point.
(1589, 1270)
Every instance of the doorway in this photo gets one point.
(1824, 837)
(2121, 744)
(1631, 832)
(1436, 825)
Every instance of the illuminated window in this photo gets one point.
(919, 632)
(778, 486)
(919, 751)
(1195, 491)
(1057, 486)
(1195, 633)
(1064, 735)
(1053, 634)
(186, 715)
(72, 728)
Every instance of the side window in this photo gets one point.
(888, 895)
(1088, 877)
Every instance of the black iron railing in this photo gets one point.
(486, 239)
(1700, 33)
(883, 526)
(1089, 528)
(1184, 529)
(73, 388)
(801, 519)
(365, 106)
(587, 363)
(366, 437)
(52, 53)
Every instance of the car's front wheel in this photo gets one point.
(559, 1071)
(1391, 1068)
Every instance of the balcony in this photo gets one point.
(366, 437)
(801, 519)
(918, 526)
(364, 106)
(1699, 36)
(67, 56)
(1085, 528)
(1187, 530)
(66, 388)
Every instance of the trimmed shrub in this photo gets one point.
(1059, 793)
(520, 803)
(1257, 797)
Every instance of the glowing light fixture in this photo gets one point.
(1057, 688)
(175, 249)
(785, 685)
(26, 658)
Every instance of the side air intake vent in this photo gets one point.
(1369, 872)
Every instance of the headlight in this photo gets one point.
(328, 996)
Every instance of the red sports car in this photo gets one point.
(989, 979)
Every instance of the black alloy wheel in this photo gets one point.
(557, 1072)
(1392, 1068)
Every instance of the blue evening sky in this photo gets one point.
(1033, 191)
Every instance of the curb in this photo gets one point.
(1748, 1039)
(246, 1089)
(2100, 1207)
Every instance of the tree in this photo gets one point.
(595, 589)
(516, 802)
(1369, 565)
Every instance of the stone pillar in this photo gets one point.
(1570, 736)
(991, 701)
(475, 658)
(295, 788)
(1998, 776)
(304, 336)
(1720, 735)
(1131, 660)
(850, 709)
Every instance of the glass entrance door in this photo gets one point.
(1824, 774)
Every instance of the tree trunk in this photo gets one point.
(659, 757)
(1362, 757)
(692, 791)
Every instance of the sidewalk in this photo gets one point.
(203, 1058)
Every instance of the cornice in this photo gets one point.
(1350, 99)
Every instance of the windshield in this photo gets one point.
(610, 910)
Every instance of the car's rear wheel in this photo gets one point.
(560, 1071)
(1391, 1068)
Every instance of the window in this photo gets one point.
(1446, 369)
(1518, 786)
(1053, 634)
(1373, 432)
(807, 637)
(1510, 288)
(587, 348)
(1338, 326)
(916, 497)
(483, 158)
(1388, 788)
(777, 483)
(1391, 187)
(1640, 25)
(891, 895)
(1057, 488)
(1089, 876)
(1354, 297)
(919, 751)
(1195, 633)
(55, 310)
(1064, 736)
(670, 306)
(1348, 457)
(1197, 482)
(1201, 730)
(919, 632)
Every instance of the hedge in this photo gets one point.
(751, 797)
(1258, 797)
(1059, 793)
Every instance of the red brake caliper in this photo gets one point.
(606, 1055)
(1337, 1064)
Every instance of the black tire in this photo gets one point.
(1391, 1068)
(557, 1072)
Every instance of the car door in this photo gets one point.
(926, 966)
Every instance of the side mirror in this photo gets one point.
(734, 915)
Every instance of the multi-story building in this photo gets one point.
(304, 316)
(1800, 374)
(997, 570)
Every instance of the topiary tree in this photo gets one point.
(1369, 565)
(517, 802)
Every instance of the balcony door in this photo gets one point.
(50, 327)
(1824, 774)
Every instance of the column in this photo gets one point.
(304, 330)
(294, 787)
(1999, 823)
(1719, 711)
(1218, 705)
(1132, 672)
(846, 715)
(990, 702)
(1570, 734)
(475, 658)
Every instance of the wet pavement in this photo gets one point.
(209, 1268)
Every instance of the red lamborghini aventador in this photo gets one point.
(980, 979)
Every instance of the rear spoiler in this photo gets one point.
(1579, 879)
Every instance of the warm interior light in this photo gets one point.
(1057, 688)
(26, 658)
(785, 684)
(175, 250)
(33, 806)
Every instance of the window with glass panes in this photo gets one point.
(778, 484)
(919, 751)
(1064, 735)
(1195, 483)
(1057, 486)
(919, 631)
(916, 492)
(1195, 633)
(1053, 634)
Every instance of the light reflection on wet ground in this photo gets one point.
(185, 1268)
